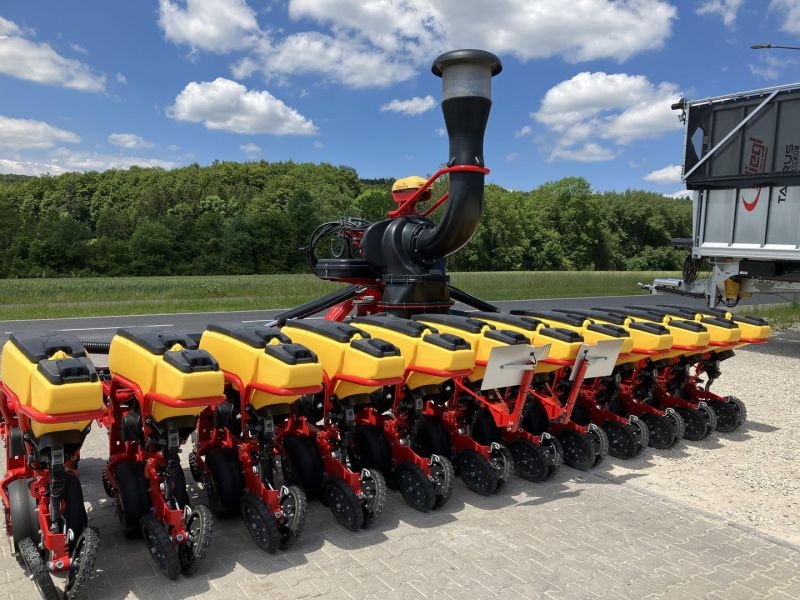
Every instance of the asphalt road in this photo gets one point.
(103, 328)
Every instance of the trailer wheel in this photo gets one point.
(418, 491)
(38, 570)
(477, 472)
(22, 508)
(160, 547)
(81, 564)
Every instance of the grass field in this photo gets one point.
(781, 316)
(42, 298)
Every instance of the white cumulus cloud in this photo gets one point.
(614, 108)
(789, 14)
(412, 106)
(214, 25)
(726, 9)
(128, 140)
(669, 174)
(20, 134)
(229, 106)
(523, 131)
(36, 61)
(250, 149)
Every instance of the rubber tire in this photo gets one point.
(600, 441)
(370, 450)
(304, 465)
(200, 527)
(194, 467)
(728, 415)
(431, 438)
(698, 425)
(477, 472)
(679, 426)
(343, 503)
(557, 458)
(484, 430)
(84, 555)
(530, 461)
(291, 529)
(503, 462)
(133, 497)
(225, 483)
(38, 570)
(661, 430)
(260, 523)
(535, 420)
(622, 441)
(445, 480)
(579, 450)
(374, 500)
(107, 487)
(417, 489)
(160, 547)
(23, 512)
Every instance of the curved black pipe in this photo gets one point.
(466, 89)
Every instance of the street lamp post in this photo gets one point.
(767, 46)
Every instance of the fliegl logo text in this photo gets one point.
(755, 165)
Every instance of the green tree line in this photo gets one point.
(244, 218)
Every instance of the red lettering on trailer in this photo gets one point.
(756, 164)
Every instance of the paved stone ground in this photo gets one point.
(579, 536)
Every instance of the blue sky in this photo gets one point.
(585, 90)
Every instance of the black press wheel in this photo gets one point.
(730, 415)
(194, 550)
(81, 564)
(38, 570)
(600, 442)
(260, 523)
(132, 497)
(302, 464)
(622, 442)
(484, 429)
(107, 487)
(477, 472)
(373, 485)
(74, 510)
(294, 506)
(431, 438)
(530, 460)
(678, 425)
(417, 490)
(343, 503)
(579, 451)
(661, 430)
(22, 506)
(223, 481)
(503, 463)
(698, 422)
(160, 547)
(443, 477)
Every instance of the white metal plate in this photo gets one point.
(602, 358)
(507, 364)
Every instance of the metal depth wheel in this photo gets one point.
(530, 460)
(373, 485)
(81, 563)
(161, 548)
(579, 450)
(443, 477)
(343, 503)
(199, 528)
(477, 472)
(260, 523)
(418, 491)
(294, 505)
(730, 415)
(661, 430)
(38, 570)
(22, 508)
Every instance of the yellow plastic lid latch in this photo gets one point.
(59, 355)
(176, 348)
